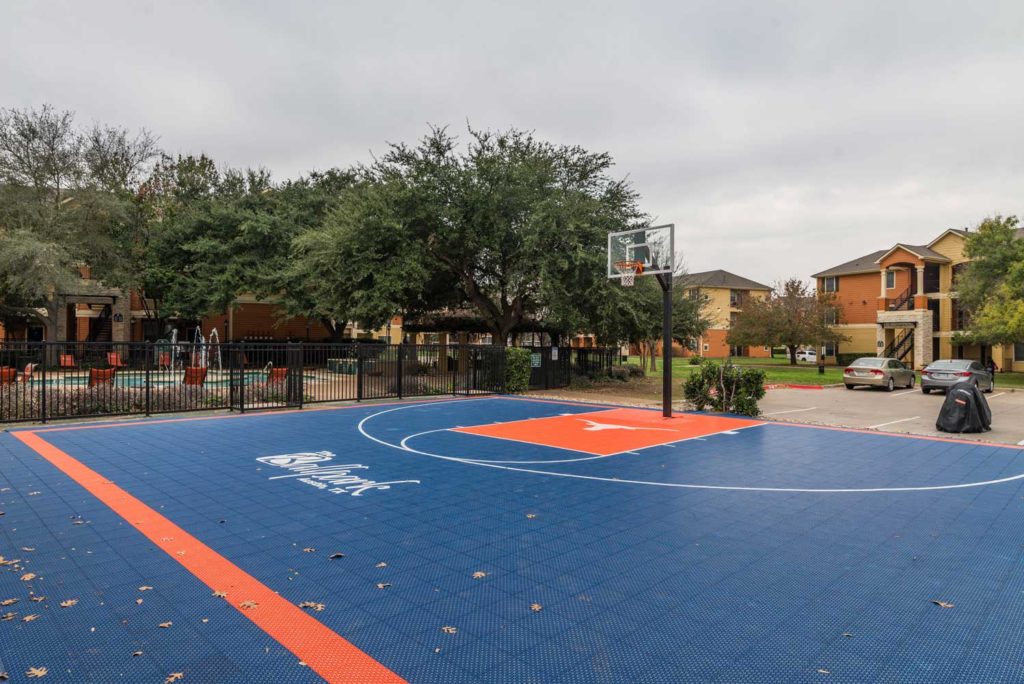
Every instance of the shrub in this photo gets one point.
(517, 370)
(635, 370)
(726, 388)
(619, 373)
(696, 360)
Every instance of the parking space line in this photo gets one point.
(903, 394)
(779, 413)
(997, 394)
(892, 422)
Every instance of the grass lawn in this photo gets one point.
(779, 372)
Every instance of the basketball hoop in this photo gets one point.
(629, 270)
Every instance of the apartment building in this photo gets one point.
(727, 293)
(901, 302)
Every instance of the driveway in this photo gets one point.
(907, 411)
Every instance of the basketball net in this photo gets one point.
(629, 269)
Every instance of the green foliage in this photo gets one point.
(726, 388)
(517, 370)
(991, 286)
(696, 360)
(792, 315)
(508, 227)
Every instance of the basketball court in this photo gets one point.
(498, 539)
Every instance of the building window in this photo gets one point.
(693, 293)
(707, 347)
(1018, 351)
(831, 317)
(831, 349)
(736, 298)
(830, 284)
(890, 280)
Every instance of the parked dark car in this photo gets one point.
(941, 375)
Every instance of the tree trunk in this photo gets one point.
(792, 354)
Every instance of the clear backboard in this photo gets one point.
(642, 251)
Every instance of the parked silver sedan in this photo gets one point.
(941, 375)
(874, 371)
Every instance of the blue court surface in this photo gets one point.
(389, 542)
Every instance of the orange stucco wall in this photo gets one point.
(858, 294)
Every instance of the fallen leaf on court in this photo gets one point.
(447, 629)
(302, 663)
(220, 594)
(336, 555)
(383, 585)
(28, 548)
(9, 561)
(180, 553)
(138, 602)
(8, 602)
(68, 603)
(822, 670)
(942, 604)
(437, 650)
(308, 549)
(4, 676)
(531, 516)
(312, 605)
(205, 620)
(34, 493)
(35, 672)
(165, 625)
(29, 618)
(174, 677)
(166, 538)
(38, 599)
(28, 577)
(536, 607)
(136, 654)
(479, 574)
(144, 588)
(382, 564)
(847, 635)
(246, 605)
(78, 522)
(8, 616)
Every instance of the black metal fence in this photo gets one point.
(553, 367)
(42, 381)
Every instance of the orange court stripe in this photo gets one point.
(323, 650)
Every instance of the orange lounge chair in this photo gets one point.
(195, 376)
(163, 360)
(67, 362)
(277, 375)
(101, 376)
(114, 360)
(8, 375)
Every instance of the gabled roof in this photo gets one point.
(954, 231)
(865, 264)
(719, 278)
(920, 251)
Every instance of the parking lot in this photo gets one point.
(907, 411)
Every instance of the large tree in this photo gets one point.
(509, 225)
(991, 286)
(65, 191)
(792, 315)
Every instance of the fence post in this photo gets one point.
(149, 362)
(42, 389)
(241, 378)
(401, 350)
(476, 362)
(359, 373)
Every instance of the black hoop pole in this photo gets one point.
(665, 280)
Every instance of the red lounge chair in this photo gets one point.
(163, 360)
(277, 375)
(101, 376)
(8, 375)
(114, 360)
(67, 361)
(195, 377)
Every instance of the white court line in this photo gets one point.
(892, 422)
(674, 485)
(779, 413)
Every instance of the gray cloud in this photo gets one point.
(780, 137)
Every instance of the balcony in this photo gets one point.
(903, 302)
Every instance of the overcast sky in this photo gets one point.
(780, 138)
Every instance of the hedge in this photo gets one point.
(517, 370)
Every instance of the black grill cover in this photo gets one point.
(965, 410)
